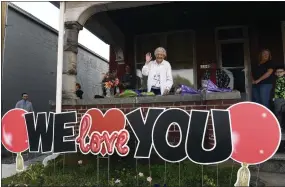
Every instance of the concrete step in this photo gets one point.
(275, 165)
(279, 156)
(267, 179)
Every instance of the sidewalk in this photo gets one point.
(10, 169)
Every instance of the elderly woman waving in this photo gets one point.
(159, 73)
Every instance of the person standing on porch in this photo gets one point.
(159, 73)
(262, 79)
(279, 96)
(24, 103)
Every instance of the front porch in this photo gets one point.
(197, 33)
(193, 33)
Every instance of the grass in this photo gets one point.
(82, 170)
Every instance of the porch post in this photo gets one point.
(69, 73)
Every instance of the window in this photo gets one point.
(180, 50)
(145, 44)
(232, 54)
(180, 53)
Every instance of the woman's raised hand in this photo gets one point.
(148, 58)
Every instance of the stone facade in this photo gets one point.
(76, 16)
(70, 59)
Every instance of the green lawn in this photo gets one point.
(81, 170)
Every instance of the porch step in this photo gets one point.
(279, 156)
(264, 179)
(281, 148)
(274, 165)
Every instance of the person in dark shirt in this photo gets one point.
(127, 79)
(217, 76)
(279, 96)
(262, 79)
(78, 91)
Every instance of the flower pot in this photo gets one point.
(108, 92)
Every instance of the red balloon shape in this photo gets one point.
(14, 131)
(256, 133)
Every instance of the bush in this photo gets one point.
(122, 173)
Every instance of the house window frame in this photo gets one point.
(164, 43)
(247, 62)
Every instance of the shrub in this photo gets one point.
(122, 172)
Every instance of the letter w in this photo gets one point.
(40, 131)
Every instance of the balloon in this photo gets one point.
(256, 134)
(14, 131)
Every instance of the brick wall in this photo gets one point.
(173, 133)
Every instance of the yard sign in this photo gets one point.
(240, 133)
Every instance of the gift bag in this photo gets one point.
(188, 90)
(209, 86)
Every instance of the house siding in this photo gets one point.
(30, 62)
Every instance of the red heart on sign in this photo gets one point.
(112, 121)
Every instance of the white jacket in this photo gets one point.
(166, 80)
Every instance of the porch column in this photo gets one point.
(72, 29)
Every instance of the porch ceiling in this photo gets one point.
(187, 15)
(180, 16)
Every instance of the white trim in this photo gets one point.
(283, 38)
(238, 67)
(247, 70)
(195, 65)
(60, 58)
(227, 41)
(135, 65)
(247, 64)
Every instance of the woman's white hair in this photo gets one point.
(160, 49)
